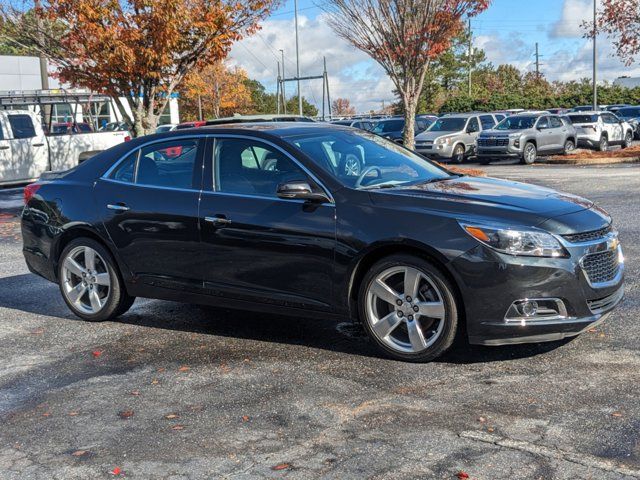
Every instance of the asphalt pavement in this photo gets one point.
(187, 392)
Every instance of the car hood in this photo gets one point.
(495, 200)
(433, 135)
(498, 133)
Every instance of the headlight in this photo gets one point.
(530, 243)
(443, 141)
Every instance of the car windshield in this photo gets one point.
(516, 123)
(389, 126)
(629, 112)
(451, 124)
(383, 164)
(583, 118)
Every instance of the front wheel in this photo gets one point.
(530, 154)
(408, 309)
(458, 154)
(89, 281)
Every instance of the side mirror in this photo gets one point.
(300, 190)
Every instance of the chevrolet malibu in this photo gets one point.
(264, 217)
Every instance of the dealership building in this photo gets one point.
(19, 73)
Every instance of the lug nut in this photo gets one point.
(416, 308)
(408, 298)
(400, 314)
(398, 302)
(410, 317)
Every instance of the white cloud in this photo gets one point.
(352, 74)
(574, 13)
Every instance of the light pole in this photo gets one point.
(284, 96)
(595, 58)
(295, 8)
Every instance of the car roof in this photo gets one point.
(589, 112)
(465, 115)
(277, 129)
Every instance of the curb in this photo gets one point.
(588, 161)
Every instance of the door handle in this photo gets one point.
(38, 144)
(4, 147)
(118, 207)
(218, 220)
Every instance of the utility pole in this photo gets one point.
(284, 96)
(278, 97)
(537, 62)
(595, 58)
(469, 58)
(295, 7)
(325, 77)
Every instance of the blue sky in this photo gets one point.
(507, 31)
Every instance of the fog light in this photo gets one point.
(528, 308)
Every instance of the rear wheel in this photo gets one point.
(89, 281)
(569, 146)
(628, 140)
(408, 308)
(529, 154)
(458, 154)
(603, 144)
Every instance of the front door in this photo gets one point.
(149, 206)
(256, 246)
(29, 153)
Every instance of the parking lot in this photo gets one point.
(182, 391)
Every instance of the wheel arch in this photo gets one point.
(383, 250)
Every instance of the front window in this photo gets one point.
(629, 112)
(452, 124)
(361, 160)
(516, 123)
(389, 126)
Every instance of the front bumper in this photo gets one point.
(491, 282)
(438, 152)
(499, 151)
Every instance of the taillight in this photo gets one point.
(30, 190)
(127, 138)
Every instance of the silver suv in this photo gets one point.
(453, 137)
(525, 136)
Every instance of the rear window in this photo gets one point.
(22, 126)
(583, 118)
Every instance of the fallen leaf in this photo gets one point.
(115, 471)
(96, 353)
(245, 418)
(161, 369)
(490, 429)
(592, 330)
(616, 414)
(37, 331)
(74, 414)
(46, 414)
(79, 453)
(462, 475)
(281, 466)
(171, 416)
(135, 393)
(125, 414)
(177, 427)
(154, 381)
(184, 368)
(482, 419)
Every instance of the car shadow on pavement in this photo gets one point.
(32, 294)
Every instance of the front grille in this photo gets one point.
(588, 236)
(601, 267)
(493, 142)
(605, 303)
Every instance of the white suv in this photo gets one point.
(600, 129)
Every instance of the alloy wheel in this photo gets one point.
(569, 146)
(458, 154)
(85, 280)
(530, 153)
(405, 309)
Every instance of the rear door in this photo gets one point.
(149, 205)
(558, 133)
(544, 138)
(613, 127)
(28, 149)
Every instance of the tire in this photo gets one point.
(628, 140)
(569, 146)
(529, 154)
(603, 144)
(400, 331)
(458, 154)
(93, 290)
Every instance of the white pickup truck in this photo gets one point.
(26, 152)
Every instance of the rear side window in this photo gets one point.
(555, 122)
(487, 122)
(126, 171)
(21, 126)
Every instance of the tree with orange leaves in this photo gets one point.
(137, 49)
(403, 36)
(620, 21)
(220, 92)
(341, 107)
